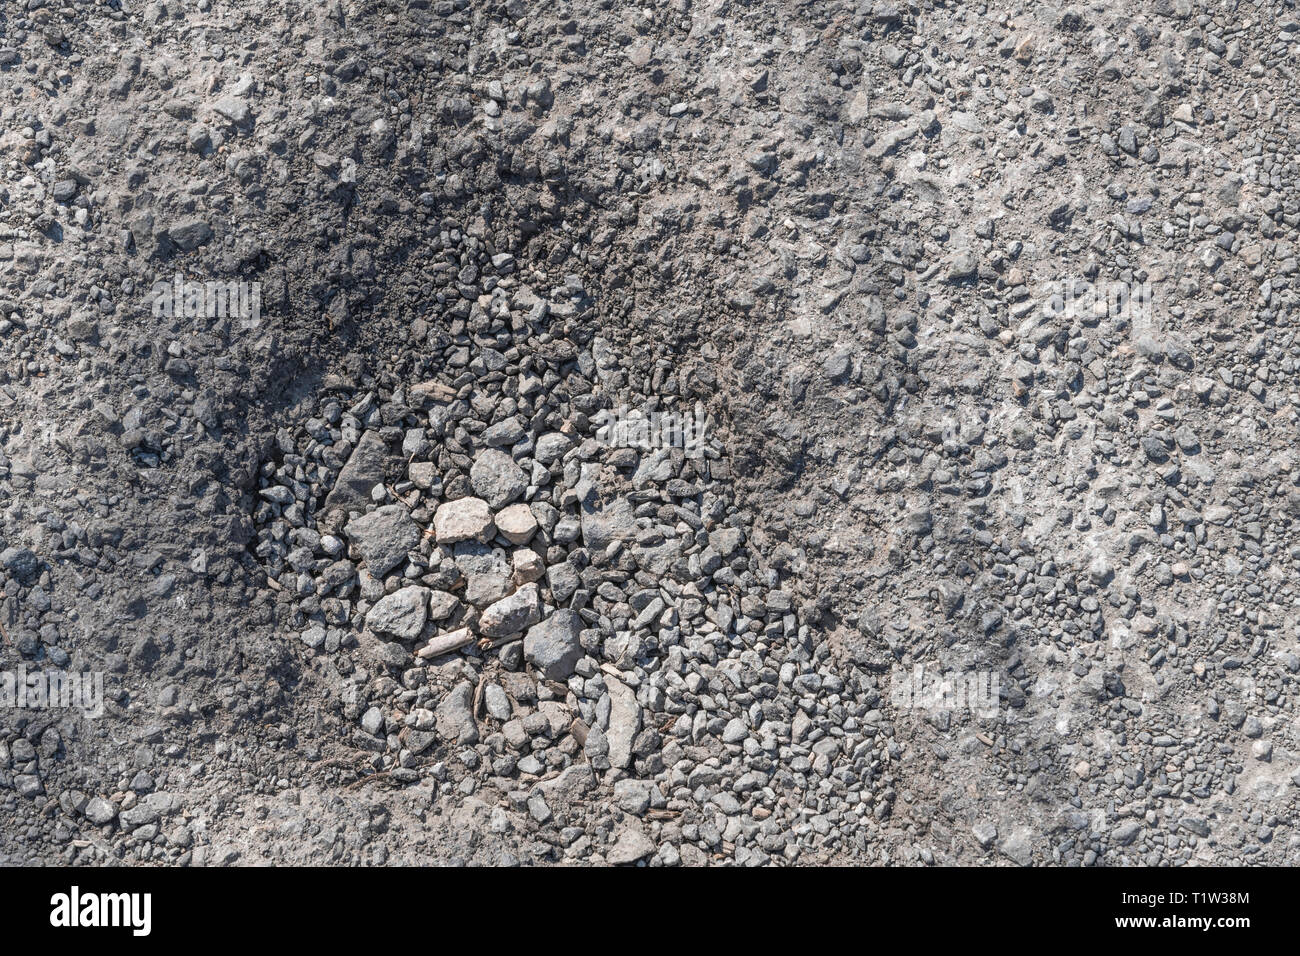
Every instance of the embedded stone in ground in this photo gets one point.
(364, 470)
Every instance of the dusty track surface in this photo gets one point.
(638, 397)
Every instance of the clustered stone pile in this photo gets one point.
(510, 595)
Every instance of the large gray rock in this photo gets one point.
(383, 537)
(233, 109)
(1125, 833)
(401, 614)
(496, 478)
(364, 469)
(563, 579)
(725, 540)
(512, 613)
(553, 646)
(504, 434)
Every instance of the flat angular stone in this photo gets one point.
(512, 613)
(517, 523)
(497, 479)
(383, 537)
(630, 845)
(528, 567)
(601, 526)
(487, 574)
(401, 614)
(364, 470)
(553, 646)
(191, 234)
(455, 715)
(624, 722)
(465, 519)
(442, 604)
